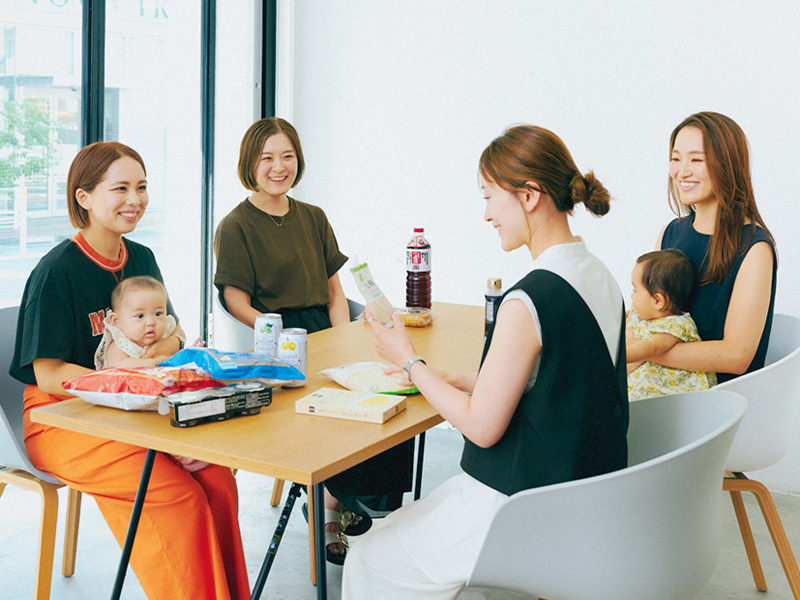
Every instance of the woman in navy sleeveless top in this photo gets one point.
(529, 417)
(728, 243)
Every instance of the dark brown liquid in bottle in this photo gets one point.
(418, 289)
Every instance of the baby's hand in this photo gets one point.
(198, 343)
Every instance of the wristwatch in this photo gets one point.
(411, 361)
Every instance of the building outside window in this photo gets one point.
(152, 103)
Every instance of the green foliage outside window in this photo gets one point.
(26, 145)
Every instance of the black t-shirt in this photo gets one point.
(66, 298)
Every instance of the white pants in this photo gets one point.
(426, 549)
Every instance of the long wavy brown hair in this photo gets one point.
(728, 159)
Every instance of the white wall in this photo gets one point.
(394, 103)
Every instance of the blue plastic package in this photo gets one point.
(234, 365)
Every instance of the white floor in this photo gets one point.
(289, 579)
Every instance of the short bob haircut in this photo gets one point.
(88, 169)
(253, 144)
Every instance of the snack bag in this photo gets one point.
(369, 377)
(234, 366)
(128, 389)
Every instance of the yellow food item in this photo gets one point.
(415, 316)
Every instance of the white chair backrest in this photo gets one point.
(772, 401)
(651, 531)
(12, 445)
(228, 333)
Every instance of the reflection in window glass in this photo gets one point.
(40, 87)
(152, 103)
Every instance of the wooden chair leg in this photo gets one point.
(47, 532)
(277, 492)
(47, 540)
(749, 542)
(776, 530)
(74, 498)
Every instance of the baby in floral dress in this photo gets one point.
(664, 283)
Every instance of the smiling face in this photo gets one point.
(118, 202)
(505, 212)
(142, 316)
(276, 170)
(688, 169)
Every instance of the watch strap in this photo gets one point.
(411, 361)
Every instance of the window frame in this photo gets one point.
(93, 99)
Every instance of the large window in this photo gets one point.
(152, 70)
(152, 103)
(40, 87)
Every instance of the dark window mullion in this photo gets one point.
(207, 82)
(269, 57)
(93, 71)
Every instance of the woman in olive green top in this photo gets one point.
(276, 254)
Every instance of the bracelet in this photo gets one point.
(411, 361)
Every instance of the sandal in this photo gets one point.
(355, 524)
(350, 526)
(332, 537)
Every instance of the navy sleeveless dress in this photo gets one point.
(710, 308)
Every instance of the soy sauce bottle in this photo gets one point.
(418, 270)
(494, 293)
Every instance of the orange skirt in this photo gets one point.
(188, 544)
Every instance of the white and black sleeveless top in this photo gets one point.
(572, 419)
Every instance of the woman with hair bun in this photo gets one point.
(720, 229)
(524, 415)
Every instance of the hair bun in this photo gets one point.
(591, 192)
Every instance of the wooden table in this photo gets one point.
(278, 442)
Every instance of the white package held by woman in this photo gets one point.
(373, 296)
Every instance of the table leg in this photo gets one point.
(134, 524)
(420, 459)
(294, 493)
(319, 541)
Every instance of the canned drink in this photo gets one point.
(293, 349)
(267, 330)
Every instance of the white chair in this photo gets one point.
(227, 332)
(16, 468)
(764, 437)
(651, 531)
